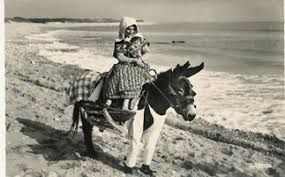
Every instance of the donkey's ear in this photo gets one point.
(179, 70)
(193, 70)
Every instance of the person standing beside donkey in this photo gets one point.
(126, 78)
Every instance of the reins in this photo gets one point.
(159, 90)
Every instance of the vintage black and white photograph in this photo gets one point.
(161, 88)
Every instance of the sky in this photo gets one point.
(150, 10)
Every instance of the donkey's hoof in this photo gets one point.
(91, 154)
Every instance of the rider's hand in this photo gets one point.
(139, 54)
(140, 63)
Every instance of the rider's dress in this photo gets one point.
(126, 79)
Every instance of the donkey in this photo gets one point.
(171, 89)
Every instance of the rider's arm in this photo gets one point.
(119, 54)
(122, 58)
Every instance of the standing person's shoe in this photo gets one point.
(129, 170)
(146, 170)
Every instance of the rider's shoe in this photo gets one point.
(108, 102)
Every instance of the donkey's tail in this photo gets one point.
(75, 118)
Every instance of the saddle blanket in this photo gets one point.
(83, 86)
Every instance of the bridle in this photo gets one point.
(179, 104)
(173, 94)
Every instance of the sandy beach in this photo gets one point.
(38, 66)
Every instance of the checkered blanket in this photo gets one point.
(82, 86)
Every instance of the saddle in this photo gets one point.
(104, 117)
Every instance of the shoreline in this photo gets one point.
(36, 121)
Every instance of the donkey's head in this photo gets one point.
(181, 92)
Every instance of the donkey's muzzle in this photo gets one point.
(191, 112)
(190, 117)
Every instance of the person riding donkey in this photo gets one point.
(123, 83)
(125, 79)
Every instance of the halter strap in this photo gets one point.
(165, 97)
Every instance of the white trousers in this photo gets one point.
(149, 137)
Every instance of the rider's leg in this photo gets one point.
(135, 134)
(126, 104)
(133, 102)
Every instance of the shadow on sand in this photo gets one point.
(55, 145)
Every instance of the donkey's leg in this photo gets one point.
(87, 130)
(150, 137)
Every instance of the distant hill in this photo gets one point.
(63, 20)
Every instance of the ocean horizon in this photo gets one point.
(235, 47)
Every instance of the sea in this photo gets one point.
(240, 47)
(241, 86)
